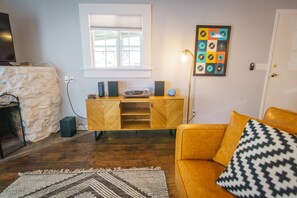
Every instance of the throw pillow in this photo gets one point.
(234, 132)
(264, 163)
(231, 138)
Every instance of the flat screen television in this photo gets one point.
(7, 53)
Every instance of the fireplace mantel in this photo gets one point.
(40, 99)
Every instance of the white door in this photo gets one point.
(281, 79)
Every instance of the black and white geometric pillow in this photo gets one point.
(264, 164)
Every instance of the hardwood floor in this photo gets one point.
(114, 149)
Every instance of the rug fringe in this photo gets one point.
(82, 170)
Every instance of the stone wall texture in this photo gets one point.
(40, 99)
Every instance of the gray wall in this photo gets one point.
(49, 31)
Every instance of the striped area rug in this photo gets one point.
(130, 183)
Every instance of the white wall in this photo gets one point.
(48, 30)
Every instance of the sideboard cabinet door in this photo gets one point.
(158, 114)
(174, 113)
(166, 113)
(103, 115)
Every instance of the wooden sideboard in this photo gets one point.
(119, 113)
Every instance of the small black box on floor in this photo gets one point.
(68, 126)
(159, 88)
(113, 89)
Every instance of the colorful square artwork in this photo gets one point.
(211, 50)
(200, 68)
(220, 57)
(201, 57)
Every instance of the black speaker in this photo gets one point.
(100, 89)
(113, 89)
(159, 88)
(68, 126)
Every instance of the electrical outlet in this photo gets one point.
(261, 66)
(69, 78)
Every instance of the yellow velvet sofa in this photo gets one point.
(197, 146)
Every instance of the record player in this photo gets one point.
(137, 93)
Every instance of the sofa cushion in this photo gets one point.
(264, 163)
(198, 178)
(231, 138)
(238, 122)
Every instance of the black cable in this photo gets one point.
(71, 102)
(191, 118)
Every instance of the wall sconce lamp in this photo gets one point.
(184, 58)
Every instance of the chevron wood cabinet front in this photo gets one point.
(174, 113)
(119, 113)
(103, 115)
(158, 113)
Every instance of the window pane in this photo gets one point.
(111, 59)
(135, 40)
(111, 49)
(99, 59)
(99, 49)
(125, 41)
(99, 42)
(134, 48)
(130, 48)
(125, 58)
(125, 49)
(111, 38)
(99, 35)
(135, 58)
(130, 38)
(106, 49)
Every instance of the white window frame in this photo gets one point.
(143, 10)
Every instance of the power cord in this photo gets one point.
(82, 126)
(50, 64)
(193, 115)
(67, 89)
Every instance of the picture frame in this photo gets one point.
(211, 50)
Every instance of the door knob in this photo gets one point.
(274, 75)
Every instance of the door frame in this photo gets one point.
(271, 52)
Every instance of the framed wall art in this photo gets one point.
(211, 50)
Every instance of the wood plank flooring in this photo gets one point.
(114, 149)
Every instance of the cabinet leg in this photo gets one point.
(97, 136)
(172, 132)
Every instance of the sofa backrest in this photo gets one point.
(282, 119)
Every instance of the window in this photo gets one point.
(113, 49)
(116, 40)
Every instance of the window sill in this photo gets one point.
(117, 73)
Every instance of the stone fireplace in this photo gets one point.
(11, 128)
(40, 101)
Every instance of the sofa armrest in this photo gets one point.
(198, 141)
